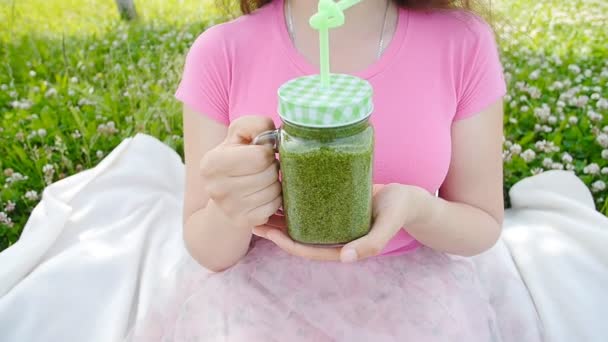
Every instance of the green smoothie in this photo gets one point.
(327, 182)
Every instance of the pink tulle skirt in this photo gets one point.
(423, 296)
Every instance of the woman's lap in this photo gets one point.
(421, 296)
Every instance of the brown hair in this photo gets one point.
(248, 6)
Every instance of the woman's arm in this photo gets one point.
(466, 218)
(210, 236)
(231, 187)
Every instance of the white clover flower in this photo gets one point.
(523, 98)
(534, 92)
(547, 129)
(3, 87)
(567, 158)
(32, 73)
(569, 167)
(16, 177)
(71, 92)
(507, 143)
(50, 92)
(552, 120)
(5, 219)
(557, 61)
(605, 129)
(557, 166)
(41, 132)
(99, 154)
(604, 171)
(573, 120)
(74, 79)
(602, 140)
(513, 104)
(602, 104)
(10, 206)
(528, 155)
(524, 109)
(538, 128)
(573, 68)
(594, 117)
(515, 149)
(547, 163)
(595, 96)
(76, 134)
(48, 169)
(13, 94)
(31, 195)
(558, 85)
(598, 186)
(23, 104)
(588, 73)
(561, 104)
(591, 169)
(513, 120)
(605, 154)
(534, 75)
(542, 113)
(581, 101)
(536, 171)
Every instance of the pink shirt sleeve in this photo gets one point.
(206, 78)
(481, 80)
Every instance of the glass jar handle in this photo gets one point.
(268, 137)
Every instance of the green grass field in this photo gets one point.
(75, 81)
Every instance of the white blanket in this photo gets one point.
(560, 245)
(104, 246)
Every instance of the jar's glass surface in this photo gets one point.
(327, 182)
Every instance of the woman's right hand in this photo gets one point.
(243, 179)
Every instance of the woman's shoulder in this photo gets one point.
(245, 31)
(454, 26)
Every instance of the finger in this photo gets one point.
(377, 187)
(277, 221)
(237, 160)
(254, 183)
(244, 129)
(262, 214)
(372, 244)
(283, 241)
(264, 196)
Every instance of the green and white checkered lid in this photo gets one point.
(347, 100)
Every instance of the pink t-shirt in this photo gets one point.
(440, 66)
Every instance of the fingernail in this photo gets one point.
(348, 255)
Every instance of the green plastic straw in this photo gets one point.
(330, 14)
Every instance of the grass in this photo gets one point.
(75, 81)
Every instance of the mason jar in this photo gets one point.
(325, 146)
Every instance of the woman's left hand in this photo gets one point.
(394, 206)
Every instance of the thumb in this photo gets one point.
(383, 230)
(244, 129)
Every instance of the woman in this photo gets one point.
(438, 87)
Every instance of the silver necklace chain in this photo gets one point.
(292, 33)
